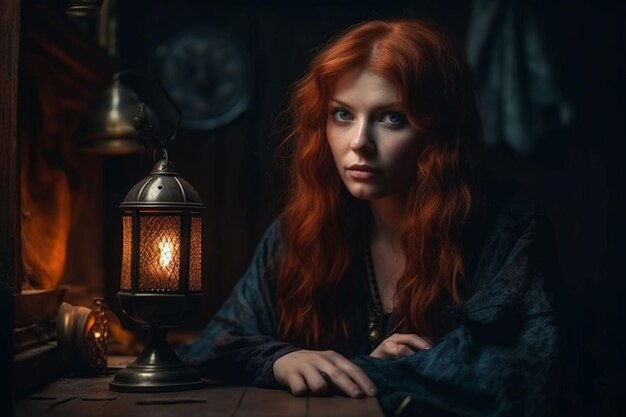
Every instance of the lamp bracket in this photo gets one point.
(143, 126)
(138, 82)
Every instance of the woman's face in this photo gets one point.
(374, 147)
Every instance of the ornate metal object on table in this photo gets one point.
(83, 336)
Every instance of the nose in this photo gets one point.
(363, 141)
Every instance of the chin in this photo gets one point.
(365, 192)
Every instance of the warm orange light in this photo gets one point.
(166, 249)
(159, 253)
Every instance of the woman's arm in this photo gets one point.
(505, 356)
(238, 344)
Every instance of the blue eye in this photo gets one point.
(394, 119)
(341, 115)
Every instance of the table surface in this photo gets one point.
(84, 397)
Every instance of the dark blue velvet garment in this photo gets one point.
(503, 356)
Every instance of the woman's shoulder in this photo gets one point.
(260, 272)
(272, 231)
(508, 218)
(517, 251)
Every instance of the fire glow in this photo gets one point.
(166, 250)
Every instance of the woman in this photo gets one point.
(387, 273)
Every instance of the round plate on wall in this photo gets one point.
(208, 75)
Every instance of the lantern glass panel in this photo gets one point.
(195, 255)
(159, 253)
(127, 252)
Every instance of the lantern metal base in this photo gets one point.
(157, 369)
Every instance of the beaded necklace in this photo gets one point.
(374, 305)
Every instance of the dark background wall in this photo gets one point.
(574, 171)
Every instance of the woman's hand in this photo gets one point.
(398, 345)
(311, 371)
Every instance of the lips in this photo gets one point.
(362, 167)
(362, 171)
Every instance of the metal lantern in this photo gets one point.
(161, 274)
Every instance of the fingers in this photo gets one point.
(398, 345)
(297, 385)
(352, 380)
(315, 380)
(308, 381)
(312, 372)
(403, 350)
(412, 340)
(387, 349)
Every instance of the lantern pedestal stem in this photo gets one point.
(157, 369)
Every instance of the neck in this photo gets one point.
(387, 218)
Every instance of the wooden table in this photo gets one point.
(85, 397)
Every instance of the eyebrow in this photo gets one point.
(382, 106)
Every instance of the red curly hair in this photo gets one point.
(318, 224)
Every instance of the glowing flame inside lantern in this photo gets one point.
(167, 253)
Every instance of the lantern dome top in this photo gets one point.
(163, 188)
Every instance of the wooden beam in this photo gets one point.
(10, 246)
